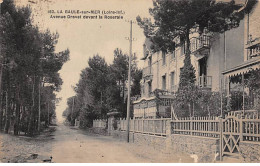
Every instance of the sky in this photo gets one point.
(85, 38)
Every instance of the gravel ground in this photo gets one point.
(20, 149)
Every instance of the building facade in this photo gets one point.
(213, 56)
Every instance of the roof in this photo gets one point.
(244, 67)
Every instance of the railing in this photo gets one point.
(246, 127)
(197, 126)
(205, 81)
(254, 52)
(148, 71)
(99, 123)
(199, 43)
(145, 126)
(162, 93)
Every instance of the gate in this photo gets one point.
(231, 135)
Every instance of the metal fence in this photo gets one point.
(145, 126)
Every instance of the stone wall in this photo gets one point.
(201, 149)
(250, 151)
(206, 149)
(156, 142)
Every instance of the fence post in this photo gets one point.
(154, 127)
(120, 122)
(191, 125)
(241, 128)
(162, 127)
(142, 125)
(134, 125)
(221, 138)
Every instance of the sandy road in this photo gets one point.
(74, 146)
(71, 145)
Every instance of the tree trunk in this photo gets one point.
(17, 111)
(1, 74)
(1, 94)
(32, 110)
(8, 110)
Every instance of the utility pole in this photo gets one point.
(221, 99)
(48, 113)
(129, 84)
(72, 107)
(1, 73)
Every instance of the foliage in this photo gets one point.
(29, 65)
(102, 88)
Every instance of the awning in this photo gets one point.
(243, 68)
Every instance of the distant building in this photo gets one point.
(215, 57)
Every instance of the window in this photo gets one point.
(150, 65)
(149, 88)
(142, 90)
(164, 82)
(173, 54)
(172, 81)
(150, 61)
(163, 58)
(183, 47)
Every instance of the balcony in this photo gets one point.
(148, 73)
(205, 81)
(254, 51)
(200, 44)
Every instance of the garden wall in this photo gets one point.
(250, 151)
(206, 149)
(156, 142)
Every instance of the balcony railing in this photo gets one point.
(254, 52)
(148, 71)
(200, 43)
(205, 81)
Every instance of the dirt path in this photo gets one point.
(73, 146)
(19, 149)
(70, 145)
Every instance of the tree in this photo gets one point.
(101, 88)
(28, 62)
(174, 18)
